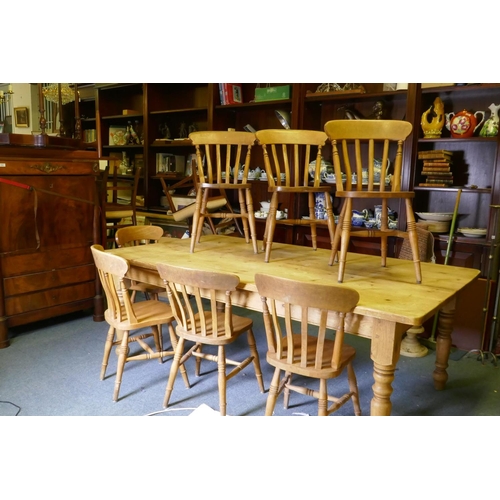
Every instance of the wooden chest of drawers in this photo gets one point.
(49, 220)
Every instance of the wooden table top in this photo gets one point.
(389, 293)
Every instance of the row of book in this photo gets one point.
(230, 93)
(436, 168)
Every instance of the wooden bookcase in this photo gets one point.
(198, 105)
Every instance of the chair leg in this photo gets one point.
(344, 240)
(336, 238)
(271, 225)
(157, 337)
(107, 350)
(196, 220)
(221, 368)
(243, 212)
(330, 219)
(312, 215)
(174, 368)
(256, 360)
(273, 393)
(173, 342)
(323, 398)
(286, 395)
(197, 369)
(353, 387)
(251, 220)
(122, 351)
(413, 238)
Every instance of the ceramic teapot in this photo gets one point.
(464, 124)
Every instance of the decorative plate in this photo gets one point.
(471, 232)
(440, 217)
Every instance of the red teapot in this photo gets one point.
(464, 124)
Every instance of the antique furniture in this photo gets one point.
(124, 316)
(295, 349)
(49, 207)
(358, 147)
(213, 324)
(287, 158)
(223, 160)
(390, 301)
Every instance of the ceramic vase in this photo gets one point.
(490, 127)
(433, 120)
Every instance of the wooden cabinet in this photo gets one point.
(48, 205)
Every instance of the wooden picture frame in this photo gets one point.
(22, 117)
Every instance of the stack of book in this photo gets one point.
(436, 168)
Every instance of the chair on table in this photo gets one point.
(287, 156)
(356, 144)
(118, 203)
(212, 325)
(217, 152)
(124, 316)
(313, 354)
(140, 235)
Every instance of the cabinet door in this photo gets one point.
(472, 171)
(44, 219)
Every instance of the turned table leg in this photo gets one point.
(443, 343)
(385, 350)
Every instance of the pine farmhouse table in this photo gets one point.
(390, 300)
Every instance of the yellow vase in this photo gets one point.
(433, 120)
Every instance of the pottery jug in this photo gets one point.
(464, 124)
(433, 119)
(490, 127)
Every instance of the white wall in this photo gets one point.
(22, 98)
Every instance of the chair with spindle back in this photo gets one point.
(124, 316)
(219, 155)
(300, 348)
(207, 323)
(356, 144)
(287, 156)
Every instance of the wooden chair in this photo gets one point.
(140, 235)
(312, 355)
(217, 152)
(356, 144)
(124, 316)
(118, 203)
(287, 155)
(215, 326)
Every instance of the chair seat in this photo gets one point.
(326, 371)
(147, 312)
(240, 325)
(118, 214)
(376, 194)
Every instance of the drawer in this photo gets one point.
(47, 166)
(49, 298)
(39, 262)
(50, 279)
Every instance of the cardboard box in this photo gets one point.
(272, 93)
